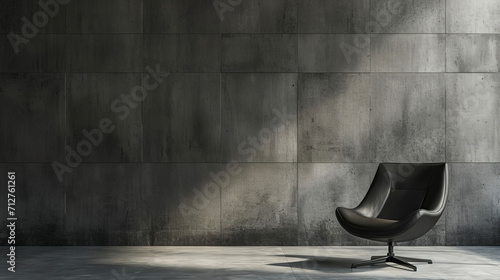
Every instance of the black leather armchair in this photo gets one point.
(403, 203)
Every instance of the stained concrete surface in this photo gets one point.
(334, 53)
(322, 188)
(259, 206)
(89, 100)
(256, 16)
(188, 16)
(104, 205)
(248, 263)
(472, 113)
(33, 117)
(480, 16)
(170, 51)
(407, 52)
(190, 215)
(115, 16)
(473, 210)
(272, 45)
(407, 121)
(39, 205)
(104, 53)
(182, 119)
(408, 16)
(251, 129)
(259, 53)
(14, 11)
(44, 53)
(324, 16)
(334, 117)
(262, 204)
(472, 53)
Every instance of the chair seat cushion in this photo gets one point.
(371, 228)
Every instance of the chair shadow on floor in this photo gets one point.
(330, 264)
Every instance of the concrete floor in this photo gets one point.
(127, 263)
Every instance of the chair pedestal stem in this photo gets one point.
(391, 249)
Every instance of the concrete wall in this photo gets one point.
(307, 96)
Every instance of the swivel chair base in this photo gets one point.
(392, 258)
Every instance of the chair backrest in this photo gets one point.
(410, 187)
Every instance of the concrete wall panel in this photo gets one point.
(42, 53)
(322, 188)
(257, 16)
(259, 117)
(472, 113)
(407, 118)
(334, 118)
(92, 98)
(104, 53)
(183, 203)
(182, 119)
(407, 16)
(473, 208)
(187, 16)
(183, 52)
(13, 12)
(111, 16)
(334, 53)
(259, 205)
(33, 119)
(325, 16)
(479, 16)
(407, 53)
(105, 205)
(39, 205)
(259, 53)
(472, 53)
